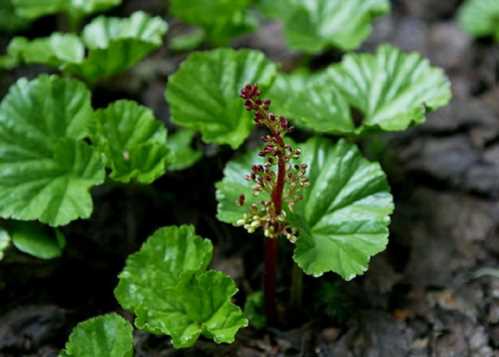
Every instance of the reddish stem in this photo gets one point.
(271, 245)
(269, 280)
(279, 185)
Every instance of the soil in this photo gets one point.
(431, 293)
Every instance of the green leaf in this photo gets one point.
(386, 91)
(182, 154)
(9, 20)
(235, 184)
(204, 93)
(32, 9)
(188, 41)
(254, 310)
(220, 19)
(311, 102)
(4, 242)
(166, 286)
(113, 45)
(52, 51)
(132, 140)
(37, 240)
(106, 335)
(314, 25)
(344, 216)
(390, 88)
(480, 18)
(46, 169)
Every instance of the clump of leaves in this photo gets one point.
(54, 148)
(106, 47)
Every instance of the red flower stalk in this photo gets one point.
(281, 175)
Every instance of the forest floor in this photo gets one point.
(431, 293)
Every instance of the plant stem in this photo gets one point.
(271, 245)
(296, 300)
(269, 280)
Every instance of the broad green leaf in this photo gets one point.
(170, 254)
(344, 216)
(182, 155)
(46, 169)
(480, 18)
(106, 335)
(220, 19)
(132, 140)
(386, 91)
(390, 88)
(112, 45)
(165, 284)
(204, 93)
(314, 25)
(115, 44)
(37, 240)
(9, 20)
(53, 51)
(32, 9)
(4, 242)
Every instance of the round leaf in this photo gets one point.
(204, 93)
(106, 335)
(166, 286)
(480, 18)
(46, 170)
(312, 26)
(133, 141)
(391, 89)
(343, 219)
(37, 240)
(168, 255)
